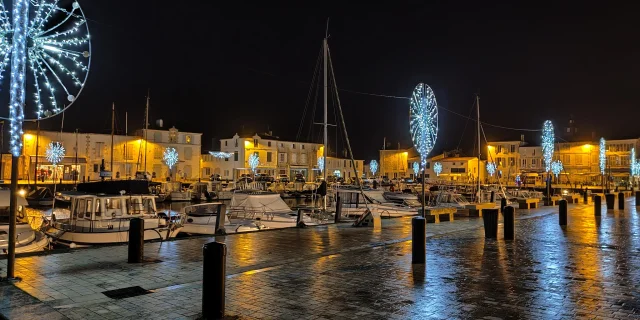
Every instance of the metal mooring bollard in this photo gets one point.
(418, 240)
(610, 198)
(637, 198)
(213, 280)
(597, 205)
(493, 196)
(585, 197)
(136, 240)
(503, 203)
(509, 215)
(338, 210)
(490, 219)
(563, 212)
(621, 201)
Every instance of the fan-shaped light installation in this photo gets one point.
(254, 162)
(373, 166)
(320, 163)
(54, 152)
(220, 155)
(437, 168)
(556, 167)
(423, 120)
(603, 155)
(491, 168)
(548, 141)
(170, 157)
(416, 168)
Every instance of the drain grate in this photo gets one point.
(126, 292)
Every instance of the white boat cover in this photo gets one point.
(5, 198)
(259, 203)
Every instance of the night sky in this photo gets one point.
(221, 70)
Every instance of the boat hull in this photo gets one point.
(93, 238)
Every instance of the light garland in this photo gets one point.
(254, 162)
(491, 168)
(437, 168)
(548, 141)
(635, 165)
(423, 120)
(54, 153)
(416, 168)
(220, 155)
(603, 155)
(170, 157)
(373, 166)
(320, 163)
(556, 167)
(337, 173)
(55, 45)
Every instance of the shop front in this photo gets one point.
(69, 169)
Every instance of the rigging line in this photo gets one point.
(466, 123)
(306, 105)
(315, 107)
(488, 124)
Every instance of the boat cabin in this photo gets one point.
(97, 207)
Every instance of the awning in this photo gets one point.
(66, 160)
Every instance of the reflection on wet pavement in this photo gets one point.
(588, 269)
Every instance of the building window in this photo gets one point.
(294, 145)
(255, 143)
(269, 143)
(157, 152)
(533, 162)
(524, 162)
(579, 159)
(458, 170)
(225, 143)
(269, 155)
(282, 157)
(96, 168)
(236, 144)
(513, 148)
(188, 139)
(173, 135)
(157, 137)
(187, 153)
(282, 145)
(499, 149)
(344, 163)
(99, 149)
(512, 162)
(235, 156)
(303, 147)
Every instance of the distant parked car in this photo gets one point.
(215, 177)
(263, 177)
(245, 179)
(300, 178)
(283, 178)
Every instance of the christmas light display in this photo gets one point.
(548, 141)
(635, 165)
(54, 153)
(170, 157)
(337, 173)
(556, 167)
(373, 166)
(603, 155)
(221, 155)
(437, 168)
(416, 168)
(254, 161)
(491, 168)
(55, 47)
(320, 164)
(423, 120)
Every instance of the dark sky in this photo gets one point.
(217, 70)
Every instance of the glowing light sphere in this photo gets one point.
(54, 153)
(220, 155)
(603, 155)
(320, 163)
(416, 168)
(491, 168)
(170, 157)
(373, 166)
(548, 141)
(337, 173)
(254, 161)
(556, 167)
(437, 168)
(49, 55)
(423, 120)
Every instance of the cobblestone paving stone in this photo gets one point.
(587, 270)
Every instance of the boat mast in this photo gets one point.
(113, 112)
(324, 53)
(146, 128)
(126, 133)
(76, 175)
(35, 185)
(479, 150)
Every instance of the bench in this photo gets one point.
(627, 194)
(528, 203)
(572, 198)
(555, 200)
(435, 215)
(475, 210)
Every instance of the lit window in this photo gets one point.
(188, 138)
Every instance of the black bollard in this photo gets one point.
(418, 240)
(637, 198)
(585, 197)
(620, 201)
(136, 240)
(213, 280)
(490, 219)
(509, 215)
(299, 221)
(563, 212)
(493, 196)
(220, 220)
(338, 210)
(597, 205)
(503, 203)
(610, 199)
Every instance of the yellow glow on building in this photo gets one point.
(248, 144)
(28, 136)
(586, 148)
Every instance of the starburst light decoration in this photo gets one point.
(373, 166)
(220, 155)
(603, 155)
(51, 52)
(320, 163)
(556, 167)
(416, 168)
(54, 152)
(548, 141)
(491, 168)
(254, 162)
(423, 120)
(437, 168)
(170, 157)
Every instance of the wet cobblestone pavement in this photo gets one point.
(587, 270)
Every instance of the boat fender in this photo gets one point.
(72, 245)
(190, 220)
(53, 217)
(113, 214)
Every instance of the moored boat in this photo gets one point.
(28, 237)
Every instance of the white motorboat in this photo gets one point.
(450, 199)
(100, 219)
(268, 209)
(354, 204)
(28, 237)
(174, 191)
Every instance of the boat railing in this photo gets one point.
(115, 224)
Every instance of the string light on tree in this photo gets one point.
(170, 157)
(320, 163)
(491, 168)
(556, 167)
(423, 120)
(373, 166)
(254, 162)
(437, 168)
(603, 155)
(548, 141)
(54, 153)
(50, 56)
(416, 168)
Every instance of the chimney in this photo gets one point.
(522, 138)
